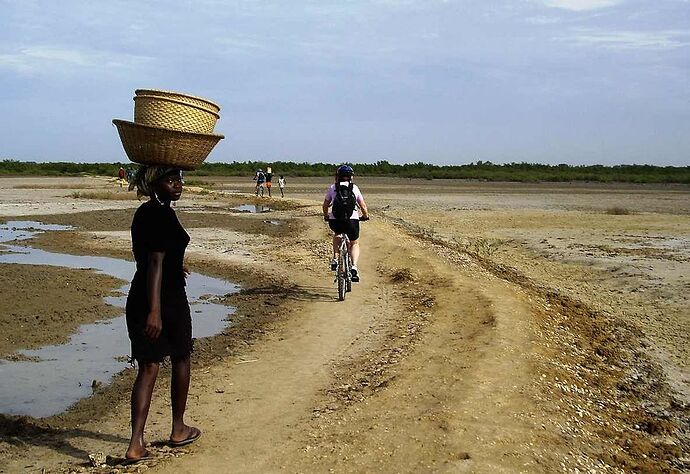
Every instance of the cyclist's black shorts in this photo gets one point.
(349, 227)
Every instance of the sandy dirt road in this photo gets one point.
(443, 359)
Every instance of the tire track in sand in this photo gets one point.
(435, 359)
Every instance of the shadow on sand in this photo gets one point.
(24, 432)
(294, 292)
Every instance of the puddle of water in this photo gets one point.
(63, 373)
(253, 208)
(22, 230)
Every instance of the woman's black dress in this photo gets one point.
(155, 228)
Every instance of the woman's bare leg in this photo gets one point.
(179, 388)
(336, 246)
(141, 402)
(354, 251)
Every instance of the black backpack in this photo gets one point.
(344, 202)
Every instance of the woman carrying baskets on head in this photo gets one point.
(158, 317)
(171, 131)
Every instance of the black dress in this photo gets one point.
(155, 228)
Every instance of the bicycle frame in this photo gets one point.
(342, 274)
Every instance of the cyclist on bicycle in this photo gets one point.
(349, 226)
(260, 179)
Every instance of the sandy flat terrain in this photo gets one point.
(498, 327)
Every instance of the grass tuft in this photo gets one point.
(105, 195)
(618, 211)
(402, 275)
(486, 247)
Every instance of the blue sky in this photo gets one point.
(439, 81)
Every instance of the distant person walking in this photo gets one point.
(159, 323)
(260, 179)
(281, 185)
(269, 179)
(121, 175)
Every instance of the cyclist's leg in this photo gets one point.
(354, 252)
(353, 234)
(353, 248)
(335, 227)
(336, 245)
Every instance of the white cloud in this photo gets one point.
(542, 20)
(581, 5)
(404, 3)
(41, 59)
(247, 45)
(55, 55)
(629, 40)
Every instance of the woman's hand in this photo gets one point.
(154, 325)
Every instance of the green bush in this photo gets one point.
(481, 170)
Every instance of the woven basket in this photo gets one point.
(149, 145)
(186, 98)
(173, 114)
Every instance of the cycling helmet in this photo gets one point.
(345, 170)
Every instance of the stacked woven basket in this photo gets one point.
(169, 129)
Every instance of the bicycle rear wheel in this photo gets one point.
(348, 277)
(342, 276)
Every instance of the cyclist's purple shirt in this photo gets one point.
(330, 195)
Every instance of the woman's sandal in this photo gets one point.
(193, 436)
(131, 461)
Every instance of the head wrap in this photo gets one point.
(147, 176)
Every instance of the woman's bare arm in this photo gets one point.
(363, 208)
(326, 204)
(154, 279)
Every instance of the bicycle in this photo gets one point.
(343, 274)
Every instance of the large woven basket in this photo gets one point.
(186, 98)
(173, 114)
(149, 145)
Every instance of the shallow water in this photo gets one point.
(253, 208)
(22, 230)
(63, 374)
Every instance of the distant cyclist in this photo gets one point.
(260, 179)
(345, 202)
